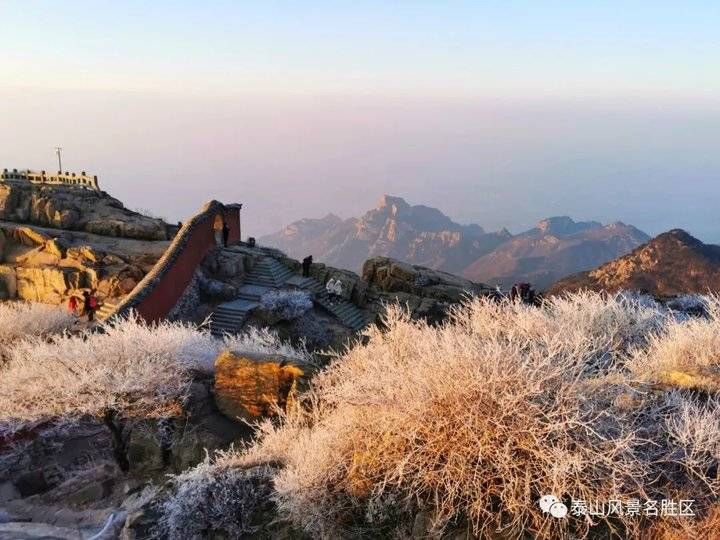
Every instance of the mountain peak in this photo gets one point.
(565, 225)
(331, 218)
(679, 234)
(674, 262)
(389, 201)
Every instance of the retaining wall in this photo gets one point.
(160, 289)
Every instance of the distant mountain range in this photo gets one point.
(424, 236)
(557, 247)
(671, 263)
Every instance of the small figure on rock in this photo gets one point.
(73, 305)
(90, 304)
(524, 293)
(334, 288)
(225, 234)
(307, 261)
(330, 287)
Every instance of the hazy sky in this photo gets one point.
(499, 113)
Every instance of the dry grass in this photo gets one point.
(472, 421)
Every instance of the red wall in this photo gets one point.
(175, 279)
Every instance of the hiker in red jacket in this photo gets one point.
(73, 305)
(90, 304)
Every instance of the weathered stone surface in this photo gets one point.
(28, 236)
(252, 386)
(8, 492)
(76, 209)
(88, 254)
(215, 289)
(49, 269)
(391, 276)
(48, 285)
(39, 257)
(37, 531)
(31, 483)
(8, 282)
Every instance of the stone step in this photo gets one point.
(219, 319)
(229, 318)
(263, 282)
(105, 310)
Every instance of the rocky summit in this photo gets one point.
(670, 264)
(77, 209)
(56, 241)
(421, 235)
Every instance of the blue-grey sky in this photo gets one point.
(499, 113)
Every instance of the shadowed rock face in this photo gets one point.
(671, 263)
(76, 209)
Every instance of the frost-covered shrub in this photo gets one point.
(264, 341)
(684, 354)
(695, 304)
(312, 331)
(287, 304)
(21, 319)
(213, 498)
(474, 420)
(130, 367)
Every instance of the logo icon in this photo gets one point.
(550, 504)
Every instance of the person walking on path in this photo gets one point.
(73, 305)
(90, 304)
(307, 261)
(225, 234)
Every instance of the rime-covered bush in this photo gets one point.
(214, 498)
(287, 304)
(685, 354)
(130, 367)
(21, 319)
(688, 303)
(472, 421)
(312, 330)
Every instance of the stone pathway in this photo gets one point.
(347, 312)
(228, 318)
(269, 274)
(105, 310)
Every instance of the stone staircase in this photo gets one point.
(228, 318)
(269, 274)
(347, 312)
(105, 310)
(266, 275)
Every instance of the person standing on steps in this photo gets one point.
(90, 304)
(225, 234)
(307, 261)
(86, 305)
